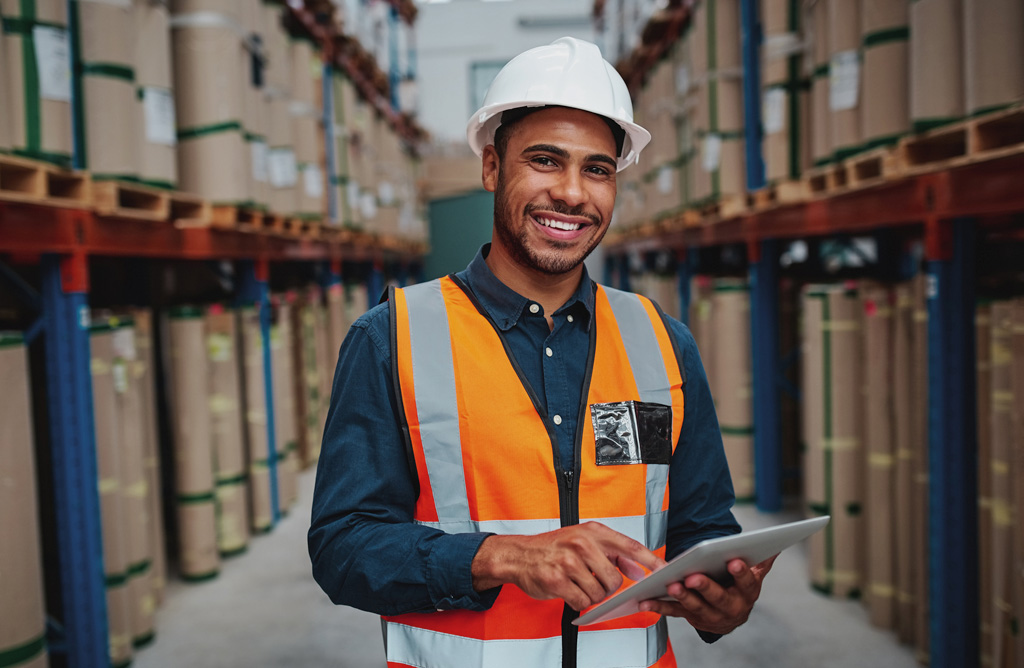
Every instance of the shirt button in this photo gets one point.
(549, 353)
(534, 308)
(558, 419)
(569, 318)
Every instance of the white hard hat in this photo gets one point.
(569, 72)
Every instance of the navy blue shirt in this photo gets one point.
(367, 552)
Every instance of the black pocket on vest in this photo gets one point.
(632, 432)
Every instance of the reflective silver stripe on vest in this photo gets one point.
(623, 648)
(500, 527)
(617, 648)
(651, 377)
(431, 649)
(437, 406)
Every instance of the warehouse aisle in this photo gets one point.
(265, 611)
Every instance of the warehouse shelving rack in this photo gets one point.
(60, 237)
(948, 208)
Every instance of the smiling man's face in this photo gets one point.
(554, 191)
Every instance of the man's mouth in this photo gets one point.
(557, 224)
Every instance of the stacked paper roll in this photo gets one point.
(209, 76)
(846, 86)
(158, 133)
(885, 113)
(199, 558)
(780, 84)
(936, 63)
(256, 420)
(993, 53)
(282, 167)
(305, 111)
(23, 614)
(255, 119)
(225, 407)
(38, 79)
(285, 419)
(819, 66)
(106, 31)
(108, 376)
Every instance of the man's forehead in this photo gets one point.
(583, 125)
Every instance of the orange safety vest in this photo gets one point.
(487, 460)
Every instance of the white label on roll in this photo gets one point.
(352, 192)
(712, 152)
(284, 172)
(158, 108)
(260, 157)
(844, 80)
(774, 111)
(665, 180)
(119, 372)
(313, 181)
(682, 79)
(219, 347)
(123, 343)
(368, 205)
(386, 192)
(54, 63)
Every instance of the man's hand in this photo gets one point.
(580, 564)
(709, 606)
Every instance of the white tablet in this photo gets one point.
(709, 557)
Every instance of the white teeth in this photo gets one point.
(558, 224)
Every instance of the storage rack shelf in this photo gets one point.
(948, 206)
(61, 237)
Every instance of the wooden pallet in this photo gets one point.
(116, 199)
(987, 137)
(859, 171)
(190, 210)
(24, 180)
(779, 194)
(231, 216)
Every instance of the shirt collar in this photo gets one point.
(505, 306)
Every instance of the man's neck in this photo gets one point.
(551, 292)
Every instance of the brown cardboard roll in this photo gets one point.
(225, 406)
(816, 501)
(936, 63)
(1001, 360)
(885, 113)
(135, 486)
(1017, 350)
(835, 439)
(158, 159)
(733, 393)
(39, 103)
(846, 88)
(904, 391)
(256, 420)
(880, 454)
(108, 375)
(993, 53)
(107, 38)
(818, 66)
(193, 446)
(208, 72)
(144, 376)
(285, 419)
(983, 347)
(919, 445)
(23, 614)
(327, 360)
(254, 109)
(215, 165)
(229, 8)
(5, 113)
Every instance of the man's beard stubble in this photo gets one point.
(516, 243)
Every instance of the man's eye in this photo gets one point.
(599, 171)
(543, 160)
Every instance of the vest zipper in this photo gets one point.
(570, 516)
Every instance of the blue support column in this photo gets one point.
(253, 288)
(764, 339)
(952, 451)
(751, 43)
(328, 120)
(75, 476)
(395, 76)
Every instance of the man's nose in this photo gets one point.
(569, 188)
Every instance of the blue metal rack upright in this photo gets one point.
(65, 287)
(952, 447)
(767, 369)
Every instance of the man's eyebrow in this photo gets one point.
(562, 153)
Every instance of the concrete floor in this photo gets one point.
(265, 610)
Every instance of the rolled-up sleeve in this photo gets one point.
(365, 549)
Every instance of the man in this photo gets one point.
(506, 443)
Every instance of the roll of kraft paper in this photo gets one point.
(38, 60)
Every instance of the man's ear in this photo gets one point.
(490, 166)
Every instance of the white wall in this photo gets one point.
(452, 35)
